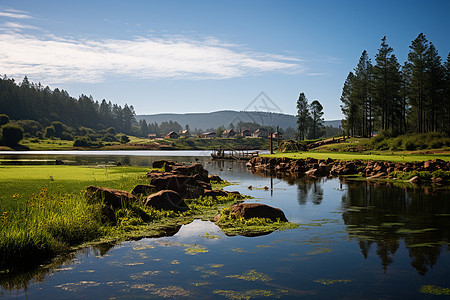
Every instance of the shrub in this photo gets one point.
(409, 145)
(12, 134)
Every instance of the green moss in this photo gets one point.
(232, 224)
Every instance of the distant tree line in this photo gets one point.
(30, 101)
(389, 97)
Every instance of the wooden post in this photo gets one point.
(271, 145)
(278, 138)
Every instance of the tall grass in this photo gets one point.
(45, 224)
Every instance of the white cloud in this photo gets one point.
(16, 14)
(53, 59)
(17, 26)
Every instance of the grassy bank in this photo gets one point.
(137, 143)
(44, 211)
(380, 156)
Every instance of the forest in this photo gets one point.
(396, 99)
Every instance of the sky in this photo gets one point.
(203, 56)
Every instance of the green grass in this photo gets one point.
(389, 156)
(44, 211)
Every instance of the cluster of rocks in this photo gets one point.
(167, 189)
(315, 168)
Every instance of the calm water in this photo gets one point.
(355, 241)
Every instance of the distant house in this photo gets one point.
(208, 135)
(152, 136)
(185, 133)
(228, 133)
(275, 135)
(246, 133)
(262, 133)
(172, 135)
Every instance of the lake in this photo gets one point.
(355, 240)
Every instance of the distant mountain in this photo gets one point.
(215, 119)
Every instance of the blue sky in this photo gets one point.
(202, 56)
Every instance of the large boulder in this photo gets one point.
(258, 210)
(161, 163)
(166, 200)
(109, 197)
(143, 189)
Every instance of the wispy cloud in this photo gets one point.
(17, 26)
(53, 59)
(15, 14)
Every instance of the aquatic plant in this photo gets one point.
(434, 290)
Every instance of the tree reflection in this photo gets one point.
(385, 215)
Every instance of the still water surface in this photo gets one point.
(355, 241)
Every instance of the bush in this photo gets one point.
(409, 145)
(124, 139)
(81, 142)
(4, 119)
(12, 134)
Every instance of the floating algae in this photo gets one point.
(413, 231)
(202, 283)
(252, 275)
(144, 274)
(210, 236)
(435, 290)
(319, 251)
(77, 286)
(332, 281)
(250, 294)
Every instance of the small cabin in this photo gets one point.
(172, 135)
(185, 133)
(228, 133)
(152, 136)
(261, 133)
(246, 133)
(208, 135)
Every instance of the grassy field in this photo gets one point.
(44, 211)
(386, 156)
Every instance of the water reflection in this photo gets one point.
(383, 216)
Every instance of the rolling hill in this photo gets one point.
(215, 119)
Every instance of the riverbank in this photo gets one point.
(136, 143)
(436, 171)
(45, 210)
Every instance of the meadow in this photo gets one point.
(44, 211)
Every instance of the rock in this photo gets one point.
(438, 180)
(215, 178)
(258, 210)
(378, 175)
(166, 200)
(177, 183)
(215, 193)
(109, 197)
(415, 180)
(143, 189)
(160, 163)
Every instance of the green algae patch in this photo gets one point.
(232, 225)
(435, 290)
(414, 231)
(250, 294)
(210, 236)
(319, 251)
(252, 275)
(332, 281)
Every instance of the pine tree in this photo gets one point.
(302, 116)
(434, 90)
(349, 107)
(362, 88)
(446, 106)
(317, 129)
(417, 58)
